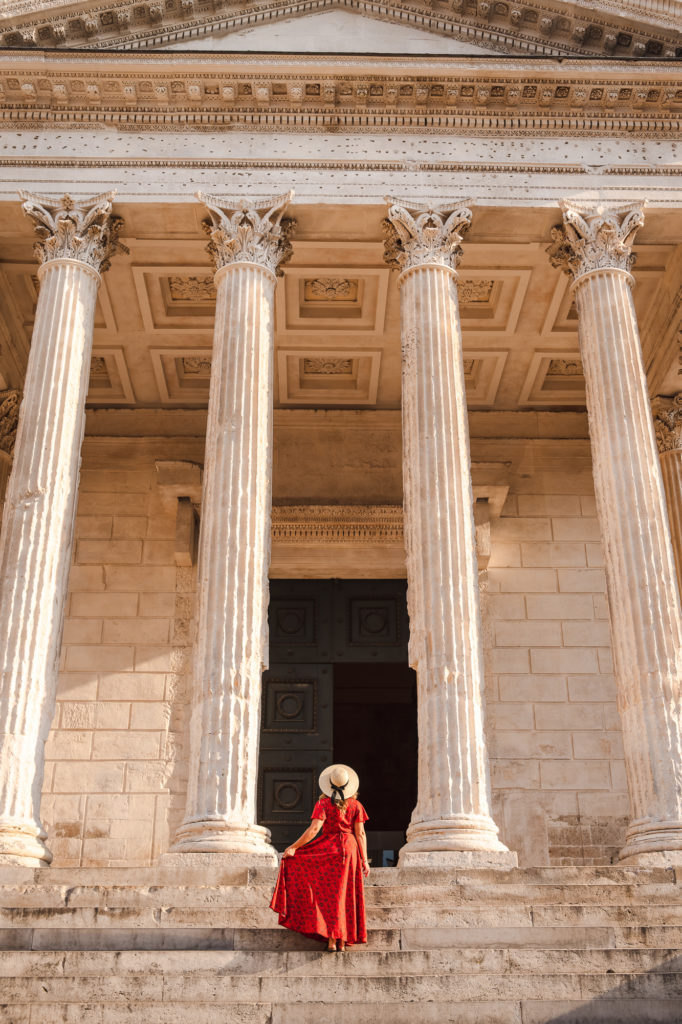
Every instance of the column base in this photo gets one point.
(648, 839)
(461, 841)
(23, 845)
(249, 843)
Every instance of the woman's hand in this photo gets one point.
(289, 852)
(365, 868)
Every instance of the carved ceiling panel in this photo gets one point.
(314, 377)
(554, 378)
(492, 300)
(182, 375)
(332, 299)
(483, 371)
(110, 382)
(175, 298)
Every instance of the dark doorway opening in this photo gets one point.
(375, 731)
(339, 689)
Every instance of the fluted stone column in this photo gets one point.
(594, 246)
(247, 243)
(668, 428)
(77, 241)
(9, 417)
(452, 820)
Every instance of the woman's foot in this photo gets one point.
(341, 947)
(331, 946)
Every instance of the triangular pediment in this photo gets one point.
(623, 28)
(332, 31)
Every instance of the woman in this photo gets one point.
(319, 889)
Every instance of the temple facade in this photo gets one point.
(341, 420)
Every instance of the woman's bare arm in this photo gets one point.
(310, 833)
(361, 838)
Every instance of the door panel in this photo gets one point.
(299, 618)
(296, 709)
(370, 620)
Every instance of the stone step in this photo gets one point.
(228, 988)
(354, 963)
(466, 894)
(604, 1010)
(261, 917)
(216, 875)
(280, 939)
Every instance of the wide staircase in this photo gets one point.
(525, 946)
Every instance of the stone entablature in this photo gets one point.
(500, 96)
(536, 26)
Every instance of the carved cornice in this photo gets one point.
(9, 418)
(492, 98)
(534, 26)
(668, 423)
(593, 237)
(337, 524)
(416, 235)
(242, 231)
(83, 230)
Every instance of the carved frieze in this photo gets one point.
(499, 100)
(538, 26)
(594, 237)
(81, 230)
(9, 418)
(337, 524)
(668, 423)
(243, 231)
(416, 236)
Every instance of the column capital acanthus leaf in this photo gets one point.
(595, 237)
(248, 231)
(418, 234)
(83, 230)
(668, 423)
(9, 417)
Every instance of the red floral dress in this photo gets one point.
(319, 891)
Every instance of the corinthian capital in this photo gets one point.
(9, 417)
(75, 229)
(242, 231)
(593, 237)
(668, 423)
(417, 235)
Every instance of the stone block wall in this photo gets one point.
(115, 773)
(555, 741)
(116, 757)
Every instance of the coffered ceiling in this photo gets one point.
(337, 313)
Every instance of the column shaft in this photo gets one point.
(234, 556)
(594, 244)
(640, 568)
(453, 812)
(36, 543)
(234, 545)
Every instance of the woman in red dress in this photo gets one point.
(319, 890)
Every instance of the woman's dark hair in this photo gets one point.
(338, 799)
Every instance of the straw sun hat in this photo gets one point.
(341, 778)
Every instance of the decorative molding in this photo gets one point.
(416, 235)
(337, 524)
(10, 401)
(81, 230)
(535, 27)
(668, 423)
(324, 366)
(492, 99)
(246, 231)
(361, 311)
(593, 237)
(191, 289)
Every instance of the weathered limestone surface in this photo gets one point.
(452, 815)
(594, 245)
(77, 242)
(247, 245)
(668, 427)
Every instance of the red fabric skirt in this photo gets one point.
(320, 892)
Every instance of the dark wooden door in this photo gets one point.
(315, 624)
